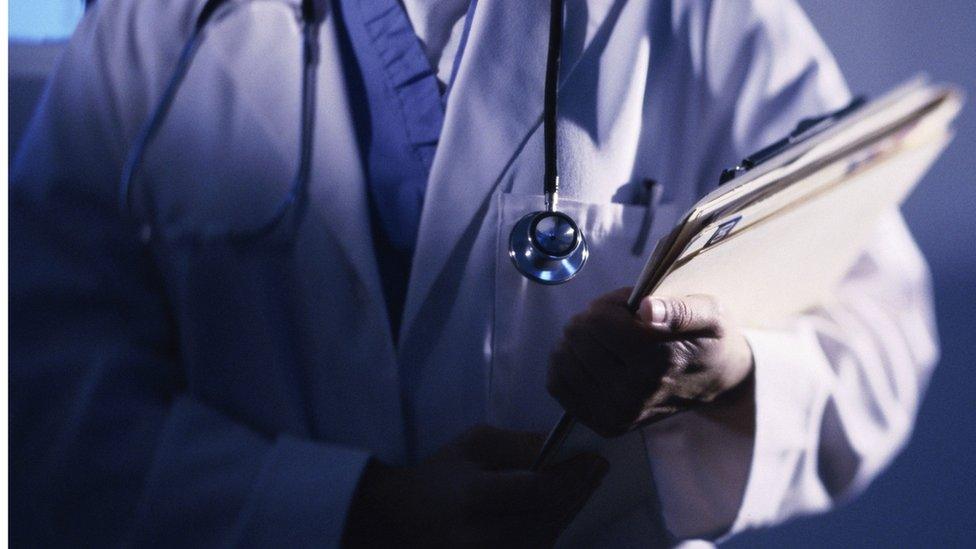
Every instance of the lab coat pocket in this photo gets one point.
(529, 317)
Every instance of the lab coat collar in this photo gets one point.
(496, 103)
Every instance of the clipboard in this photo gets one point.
(786, 224)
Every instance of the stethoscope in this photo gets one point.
(546, 246)
(310, 19)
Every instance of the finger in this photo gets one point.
(569, 383)
(663, 407)
(684, 315)
(622, 332)
(610, 321)
(499, 449)
(536, 494)
(584, 393)
(618, 297)
(617, 392)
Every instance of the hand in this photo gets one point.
(477, 491)
(616, 371)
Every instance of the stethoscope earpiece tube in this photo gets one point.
(548, 246)
(310, 58)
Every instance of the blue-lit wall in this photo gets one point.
(928, 497)
(43, 19)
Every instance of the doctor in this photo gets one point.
(217, 351)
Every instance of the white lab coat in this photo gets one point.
(669, 90)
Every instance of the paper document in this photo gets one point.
(774, 241)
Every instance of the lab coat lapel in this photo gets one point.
(338, 188)
(495, 104)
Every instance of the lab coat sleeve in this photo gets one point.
(108, 445)
(834, 396)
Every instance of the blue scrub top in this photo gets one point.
(398, 109)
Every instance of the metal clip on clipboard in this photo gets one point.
(805, 129)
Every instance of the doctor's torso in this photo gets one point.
(299, 317)
(178, 382)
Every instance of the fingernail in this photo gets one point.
(653, 311)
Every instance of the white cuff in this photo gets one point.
(793, 382)
(717, 476)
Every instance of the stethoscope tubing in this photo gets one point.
(299, 185)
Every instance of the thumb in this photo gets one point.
(693, 313)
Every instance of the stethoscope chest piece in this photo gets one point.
(547, 247)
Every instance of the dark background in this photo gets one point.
(928, 496)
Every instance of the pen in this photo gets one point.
(558, 435)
